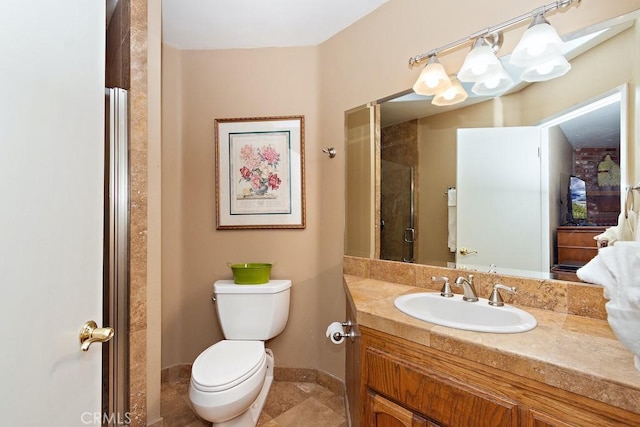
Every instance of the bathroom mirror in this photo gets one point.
(404, 155)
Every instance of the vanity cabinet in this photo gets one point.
(429, 394)
(404, 384)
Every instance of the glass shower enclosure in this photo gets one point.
(397, 212)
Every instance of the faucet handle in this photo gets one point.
(496, 299)
(446, 287)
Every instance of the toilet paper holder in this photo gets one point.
(349, 331)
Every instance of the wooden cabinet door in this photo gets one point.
(384, 413)
(536, 418)
(439, 396)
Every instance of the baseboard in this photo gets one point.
(175, 373)
(183, 371)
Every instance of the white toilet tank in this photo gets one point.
(252, 312)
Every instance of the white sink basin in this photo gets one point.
(471, 316)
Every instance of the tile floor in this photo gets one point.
(290, 404)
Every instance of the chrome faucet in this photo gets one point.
(446, 288)
(467, 287)
(496, 299)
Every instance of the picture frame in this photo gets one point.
(260, 179)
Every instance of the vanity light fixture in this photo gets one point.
(494, 85)
(480, 64)
(556, 67)
(539, 44)
(453, 95)
(540, 52)
(433, 78)
(542, 60)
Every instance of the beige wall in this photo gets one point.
(200, 86)
(367, 61)
(172, 284)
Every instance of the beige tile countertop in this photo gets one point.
(573, 353)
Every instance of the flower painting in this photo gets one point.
(259, 169)
(260, 173)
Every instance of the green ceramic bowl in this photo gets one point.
(251, 273)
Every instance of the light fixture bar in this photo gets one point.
(418, 59)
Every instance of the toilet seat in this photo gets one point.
(226, 364)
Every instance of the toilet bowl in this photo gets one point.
(227, 378)
(231, 379)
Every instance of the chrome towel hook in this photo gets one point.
(330, 151)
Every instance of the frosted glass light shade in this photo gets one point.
(539, 44)
(433, 79)
(453, 95)
(556, 67)
(493, 86)
(481, 63)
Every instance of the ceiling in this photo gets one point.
(597, 128)
(231, 24)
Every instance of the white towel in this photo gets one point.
(596, 272)
(626, 230)
(633, 296)
(452, 228)
(622, 260)
(451, 197)
(452, 221)
(617, 269)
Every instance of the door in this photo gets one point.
(498, 191)
(51, 210)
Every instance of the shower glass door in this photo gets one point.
(397, 212)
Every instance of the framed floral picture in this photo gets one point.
(260, 173)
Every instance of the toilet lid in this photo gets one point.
(226, 364)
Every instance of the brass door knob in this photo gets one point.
(90, 333)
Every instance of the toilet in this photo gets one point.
(231, 379)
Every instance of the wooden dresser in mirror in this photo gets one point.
(575, 247)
